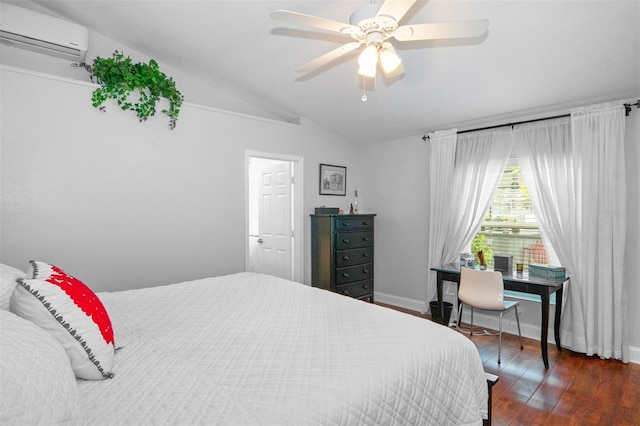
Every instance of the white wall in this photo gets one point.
(194, 90)
(123, 204)
(395, 185)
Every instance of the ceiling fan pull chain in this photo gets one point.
(364, 89)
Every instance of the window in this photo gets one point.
(510, 227)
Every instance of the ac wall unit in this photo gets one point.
(42, 33)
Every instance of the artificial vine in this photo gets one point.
(119, 77)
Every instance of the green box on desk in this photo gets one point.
(547, 272)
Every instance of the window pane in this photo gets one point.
(510, 227)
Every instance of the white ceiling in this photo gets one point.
(537, 56)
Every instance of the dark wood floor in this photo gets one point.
(575, 390)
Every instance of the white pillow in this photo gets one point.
(8, 280)
(38, 384)
(68, 309)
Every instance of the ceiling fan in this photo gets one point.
(372, 29)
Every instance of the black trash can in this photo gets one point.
(435, 312)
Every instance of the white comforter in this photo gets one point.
(254, 349)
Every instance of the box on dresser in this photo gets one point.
(327, 210)
(342, 254)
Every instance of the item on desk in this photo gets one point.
(467, 260)
(519, 267)
(351, 209)
(483, 264)
(547, 272)
(503, 263)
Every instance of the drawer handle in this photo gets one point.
(345, 223)
(345, 275)
(365, 271)
(345, 241)
(365, 239)
(365, 223)
(346, 293)
(365, 255)
(366, 287)
(345, 258)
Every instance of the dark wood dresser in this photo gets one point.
(342, 254)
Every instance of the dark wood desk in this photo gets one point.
(525, 284)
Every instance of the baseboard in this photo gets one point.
(401, 302)
(634, 355)
(530, 331)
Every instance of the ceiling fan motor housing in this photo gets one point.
(371, 27)
(375, 37)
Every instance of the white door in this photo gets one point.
(274, 255)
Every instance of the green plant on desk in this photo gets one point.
(478, 244)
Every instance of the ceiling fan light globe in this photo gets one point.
(389, 61)
(368, 61)
(367, 72)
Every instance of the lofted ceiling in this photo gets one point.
(537, 56)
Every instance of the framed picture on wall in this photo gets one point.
(333, 180)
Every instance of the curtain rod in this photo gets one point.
(627, 110)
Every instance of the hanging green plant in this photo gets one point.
(135, 87)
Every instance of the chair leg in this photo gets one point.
(499, 337)
(518, 321)
(460, 306)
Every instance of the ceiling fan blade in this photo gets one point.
(395, 8)
(460, 29)
(328, 57)
(313, 21)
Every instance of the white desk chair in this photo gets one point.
(485, 290)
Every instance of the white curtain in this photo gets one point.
(463, 176)
(544, 153)
(576, 180)
(480, 161)
(598, 141)
(442, 154)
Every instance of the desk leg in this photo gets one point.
(439, 285)
(544, 329)
(556, 324)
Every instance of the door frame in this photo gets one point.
(297, 216)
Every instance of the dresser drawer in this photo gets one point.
(351, 240)
(357, 290)
(354, 257)
(355, 223)
(354, 273)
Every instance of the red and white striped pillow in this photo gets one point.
(68, 309)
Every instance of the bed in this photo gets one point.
(249, 349)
